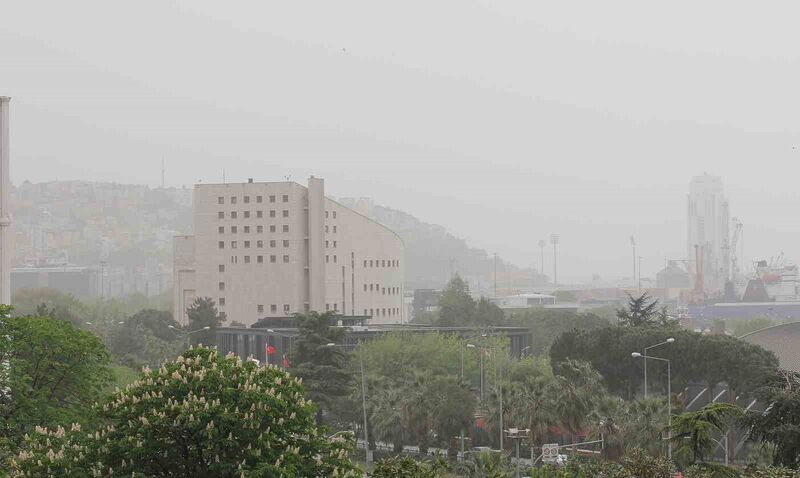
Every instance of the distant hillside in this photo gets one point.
(433, 255)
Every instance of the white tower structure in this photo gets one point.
(5, 206)
(708, 228)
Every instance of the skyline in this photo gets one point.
(594, 138)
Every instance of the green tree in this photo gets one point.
(203, 313)
(54, 373)
(200, 415)
(642, 311)
(456, 306)
(324, 369)
(149, 337)
(451, 409)
(533, 399)
(407, 467)
(488, 313)
(779, 425)
(486, 465)
(694, 430)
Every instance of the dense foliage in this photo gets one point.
(54, 373)
(406, 467)
(201, 415)
(779, 424)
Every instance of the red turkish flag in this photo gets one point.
(270, 350)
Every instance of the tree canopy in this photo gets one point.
(203, 313)
(200, 415)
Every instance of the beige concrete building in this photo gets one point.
(275, 249)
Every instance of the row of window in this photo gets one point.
(382, 263)
(247, 229)
(274, 308)
(328, 229)
(327, 215)
(390, 312)
(259, 199)
(335, 307)
(328, 243)
(378, 288)
(259, 244)
(246, 214)
(273, 259)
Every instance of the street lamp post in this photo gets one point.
(516, 434)
(669, 396)
(554, 238)
(368, 452)
(668, 341)
(187, 334)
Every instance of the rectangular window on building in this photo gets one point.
(327, 307)
(221, 302)
(370, 287)
(334, 258)
(326, 214)
(272, 228)
(285, 213)
(259, 214)
(286, 258)
(233, 199)
(272, 213)
(259, 244)
(365, 287)
(334, 244)
(326, 243)
(222, 267)
(285, 228)
(221, 286)
(247, 244)
(285, 243)
(247, 214)
(272, 199)
(234, 229)
(273, 307)
(234, 244)
(285, 198)
(221, 215)
(259, 199)
(247, 229)
(334, 214)
(260, 259)
(273, 259)
(377, 287)
(259, 229)
(286, 308)
(247, 199)
(327, 229)
(327, 258)
(221, 229)
(365, 263)
(336, 307)
(272, 243)
(371, 312)
(384, 291)
(334, 229)
(220, 200)
(260, 308)
(365, 312)
(370, 263)
(233, 215)
(221, 244)
(247, 259)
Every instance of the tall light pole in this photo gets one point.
(368, 452)
(495, 275)
(542, 243)
(186, 335)
(668, 341)
(633, 245)
(669, 396)
(554, 239)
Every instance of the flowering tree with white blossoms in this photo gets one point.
(202, 415)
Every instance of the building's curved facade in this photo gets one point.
(783, 340)
(275, 249)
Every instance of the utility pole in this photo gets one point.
(554, 239)
(640, 275)
(495, 275)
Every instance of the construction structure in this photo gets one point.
(5, 206)
(708, 246)
(273, 249)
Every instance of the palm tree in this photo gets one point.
(486, 465)
(533, 402)
(698, 427)
(388, 416)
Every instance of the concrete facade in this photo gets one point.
(708, 228)
(5, 206)
(274, 249)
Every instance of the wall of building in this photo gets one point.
(287, 250)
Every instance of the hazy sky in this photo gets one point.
(504, 121)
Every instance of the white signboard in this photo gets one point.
(550, 453)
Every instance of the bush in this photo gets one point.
(407, 467)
